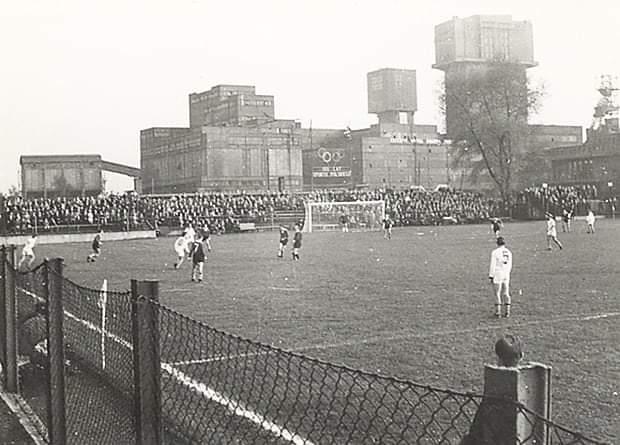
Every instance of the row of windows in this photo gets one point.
(255, 103)
(422, 163)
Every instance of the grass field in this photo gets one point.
(418, 306)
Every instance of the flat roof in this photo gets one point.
(59, 158)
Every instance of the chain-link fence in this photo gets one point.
(134, 371)
(220, 388)
(99, 358)
(32, 326)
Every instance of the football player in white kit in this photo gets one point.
(28, 253)
(499, 274)
(552, 233)
(590, 220)
(181, 247)
(189, 233)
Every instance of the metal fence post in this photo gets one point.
(529, 384)
(147, 365)
(3, 270)
(55, 352)
(10, 322)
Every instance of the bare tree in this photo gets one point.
(486, 108)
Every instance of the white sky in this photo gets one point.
(83, 77)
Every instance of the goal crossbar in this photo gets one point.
(344, 215)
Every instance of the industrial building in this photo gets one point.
(394, 153)
(467, 47)
(233, 143)
(597, 160)
(230, 105)
(67, 175)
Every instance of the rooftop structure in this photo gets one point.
(230, 105)
(483, 39)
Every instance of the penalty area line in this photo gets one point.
(412, 335)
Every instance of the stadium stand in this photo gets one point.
(229, 212)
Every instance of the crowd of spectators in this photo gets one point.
(224, 212)
(557, 198)
(221, 212)
(119, 211)
(414, 207)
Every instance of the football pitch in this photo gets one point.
(418, 306)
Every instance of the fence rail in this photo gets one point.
(148, 374)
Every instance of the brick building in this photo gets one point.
(394, 153)
(230, 105)
(233, 143)
(595, 162)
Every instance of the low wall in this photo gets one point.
(58, 238)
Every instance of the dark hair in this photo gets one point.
(500, 241)
(509, 350)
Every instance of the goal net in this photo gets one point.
(359, 215)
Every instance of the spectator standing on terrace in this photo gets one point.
(283, 241)
(28, 256)
(499, 275)
(96, 246)
(198, 255)
(590, 220)
(552, 234)
(296, 242)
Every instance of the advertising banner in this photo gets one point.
(331, 166)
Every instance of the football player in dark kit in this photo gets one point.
(387, 227)
(296, 242)
(344, 222)
(198, 255)
(496, 226)
(96, 246)
(283, 241)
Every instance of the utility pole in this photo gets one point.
(312, 160)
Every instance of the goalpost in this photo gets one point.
(361, 215)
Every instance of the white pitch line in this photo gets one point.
(235, 407)
(216, 359)
(200, 388)
(88, 324)
(292, 289)
(28, 419)
(177, 290)
(453, 331)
